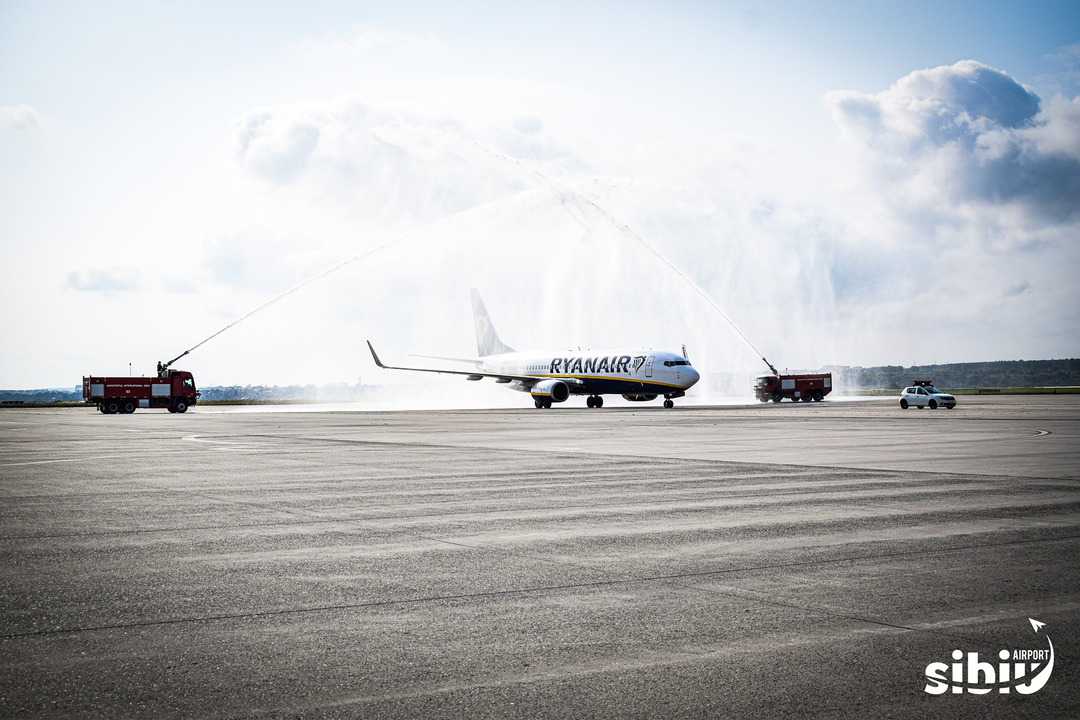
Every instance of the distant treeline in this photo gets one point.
(998, 374)
(335, 392)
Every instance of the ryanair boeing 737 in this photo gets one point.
(639, 375)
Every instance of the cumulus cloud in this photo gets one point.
(19, 117)
(386, 163)
(106, 280)
(970, 133)
(277, 150)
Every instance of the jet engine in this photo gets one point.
(557, 389)
(639, 397)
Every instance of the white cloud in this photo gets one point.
(277, 151)
(391, 163)
(103, 280)
(19, 117)
(970, 134)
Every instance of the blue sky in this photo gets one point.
(187, 160)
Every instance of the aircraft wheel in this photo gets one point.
(538, 403)
(589, 402)
(599, 402)
(668, 404)
(547, 403)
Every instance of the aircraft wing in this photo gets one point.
(527, 379)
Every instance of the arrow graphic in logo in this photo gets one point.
(1036, 683)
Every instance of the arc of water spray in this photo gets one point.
(626, 229)
(581, 197)
(281, 296)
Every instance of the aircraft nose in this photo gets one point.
(692, 376)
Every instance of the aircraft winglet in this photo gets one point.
(1036, 625)
(373, 355)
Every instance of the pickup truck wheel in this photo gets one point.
(933, 404)
(181, 406)
(903, 404)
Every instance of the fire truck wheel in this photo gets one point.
(777, 398)
(129, 407)
(818, 396)
(181, 406)
(111, 407)
(101, 408)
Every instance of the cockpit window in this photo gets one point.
(672, 363)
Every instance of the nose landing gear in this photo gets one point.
(669, 403)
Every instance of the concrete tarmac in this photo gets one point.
(765, 561)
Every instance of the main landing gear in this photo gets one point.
(542, 403)
(595, 401)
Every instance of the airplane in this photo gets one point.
(638, 375)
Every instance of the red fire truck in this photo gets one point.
(802, 386)
(172, 389)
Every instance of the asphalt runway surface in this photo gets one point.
(766, 561)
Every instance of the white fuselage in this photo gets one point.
(589, 372)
